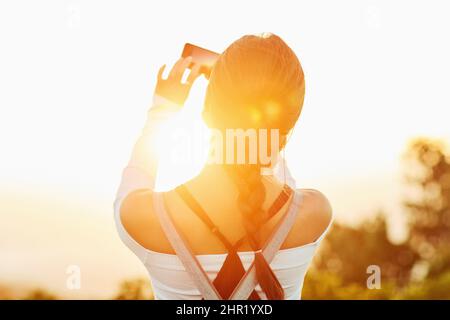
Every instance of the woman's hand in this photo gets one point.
(172, 88)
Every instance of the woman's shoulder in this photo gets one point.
(140, 222)
(317, 203)
(314, 217)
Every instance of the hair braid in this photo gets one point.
(251, 196)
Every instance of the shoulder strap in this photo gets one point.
(183, 251)
(193, 204)
(272, 245)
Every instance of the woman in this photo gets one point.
(230, 232)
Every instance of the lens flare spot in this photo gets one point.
(272, 109)
(255, 115)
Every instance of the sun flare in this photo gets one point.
(182, 143)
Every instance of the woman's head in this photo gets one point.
(257, 82)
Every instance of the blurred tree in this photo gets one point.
(340, 269)
(40, 294)
(440, 263)
(350, 251)
(435, 288)
(429, 207)
(323, 285)
(136, 289)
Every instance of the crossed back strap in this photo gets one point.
(243, 286)
(232, 269)
(193, 204)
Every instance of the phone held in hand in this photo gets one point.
(204, 57)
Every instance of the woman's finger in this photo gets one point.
(178, 69)
(194, 74)
(160, 72)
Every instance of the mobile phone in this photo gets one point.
(206, 58)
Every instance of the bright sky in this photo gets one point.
(77, 78)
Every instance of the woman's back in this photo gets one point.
(140, 228)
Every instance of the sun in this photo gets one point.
(182, 143)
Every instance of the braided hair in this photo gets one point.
(257, 83)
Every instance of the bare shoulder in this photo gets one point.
(138, 219)
(314, 216)
(317, 205)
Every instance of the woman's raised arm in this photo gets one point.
(169, 97)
